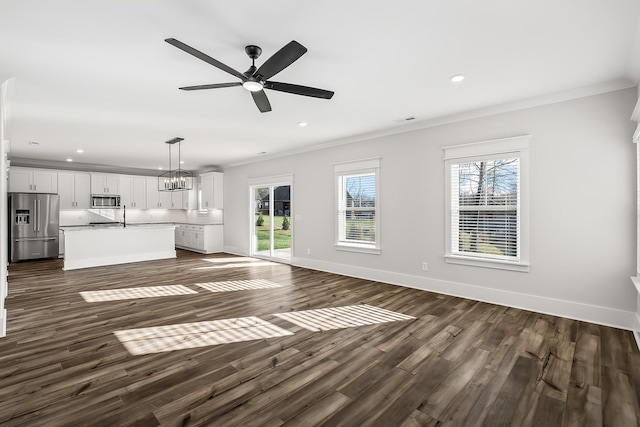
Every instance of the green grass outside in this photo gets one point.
(281, 238)
(482, 248)
(361, 229)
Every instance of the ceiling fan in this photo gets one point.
(257, 79)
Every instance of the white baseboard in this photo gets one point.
(3, 323)
(236, 251)
(590, 313)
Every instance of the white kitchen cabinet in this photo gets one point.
(166, 199)
(133, 191)
(157, 199)
(60, 244)
(187, 199)
(211, 186)
(176, 199)
(105, 183)
(74, 189)
(28, 180)
(200, 238)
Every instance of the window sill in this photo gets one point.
(357, 248)
(487, 263)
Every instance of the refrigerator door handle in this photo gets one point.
(38, 215)
(35, 215)
(34, 239)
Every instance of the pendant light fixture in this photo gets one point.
(178, 179)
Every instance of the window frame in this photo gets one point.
(347, 169)
(515, 147)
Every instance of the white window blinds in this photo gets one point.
(485, 208)
(357, 208)
(357, 204)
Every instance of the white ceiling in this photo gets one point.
(98, 75)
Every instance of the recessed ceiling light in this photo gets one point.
(80, 150)
(182, 162)
(457, 78)
(405, 119)
(69, 160)
(302, 124)
(160, 168)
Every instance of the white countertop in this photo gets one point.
(68, 228)
(134, 224)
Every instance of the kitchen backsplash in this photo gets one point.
(86, 216)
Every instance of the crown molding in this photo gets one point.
(582, 92)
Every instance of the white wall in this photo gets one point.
(583, 209)
(6, 105)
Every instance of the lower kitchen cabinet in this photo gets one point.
(200, 238)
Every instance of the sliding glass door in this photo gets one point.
(272, 225)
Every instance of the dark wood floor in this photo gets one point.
(459, 362)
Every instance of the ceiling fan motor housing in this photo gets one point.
(253, 51)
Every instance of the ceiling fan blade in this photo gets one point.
(281, 60)
(211, 86)
(299, 90)
(261, 101)
(205, 58)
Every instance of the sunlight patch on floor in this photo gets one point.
(199, 334)
(326, 319)
(239, 285)
(134, 293)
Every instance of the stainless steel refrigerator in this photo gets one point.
(34, 221)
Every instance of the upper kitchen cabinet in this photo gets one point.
(28, 180)
(157, 199)
(187, 199)
(178, 199)
(133, 191)
(105, 183)
(74, 189)
(211, 185)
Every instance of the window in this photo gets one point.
(358, 210)
(487, 203)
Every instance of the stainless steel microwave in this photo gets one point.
(105, 201)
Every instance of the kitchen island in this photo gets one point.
(87, 246)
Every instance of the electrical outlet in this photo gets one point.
(425, 266)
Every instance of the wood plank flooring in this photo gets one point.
(458, 363)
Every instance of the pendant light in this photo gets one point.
(178, 179)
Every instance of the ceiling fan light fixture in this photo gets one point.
(252, 86)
